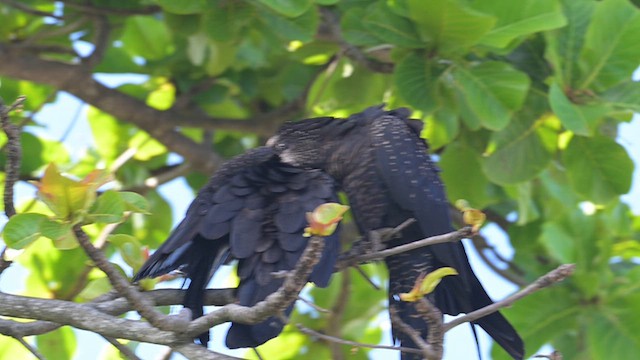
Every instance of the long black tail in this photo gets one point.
(201, 258)
(451, 297)
(495, 324)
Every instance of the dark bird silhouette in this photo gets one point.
(381, 163)
(253, 210)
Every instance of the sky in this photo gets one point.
(58, 118)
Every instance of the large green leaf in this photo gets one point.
(614, 332)
(355, 31)
(462, 173)
(301, 28)
(564, 44)
(147, 37)
(417, 80)
(288, 8)
(448, 24)
(183, 7)
(611, 52)
(518, 19)
(490, 93)
(599, 168)
(390, 27)
(22, 230)
(521, 152)
(581, 119)
(541, 317)
(58, 344)
(624, 97)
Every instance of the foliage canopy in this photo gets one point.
(521, 101)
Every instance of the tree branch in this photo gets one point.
(552, 277)
(311, 332)
(274, 303)
(78, 80)
(140, 303)
(18, 5)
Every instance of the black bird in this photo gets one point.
(253, 210)
(380, 161)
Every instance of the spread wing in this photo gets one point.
(253, 210)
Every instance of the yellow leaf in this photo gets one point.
(324, 219)
(426, 284)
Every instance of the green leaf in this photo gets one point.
(448, 24)
(60, 233)
(110, 136)
(581, 119)
(555, 314)
(95, 288)
(300, 28)
(23, 229)
(564, 44)
(355, 31)
(146, 146)
(520, 152)
(441, 127)
(516, 19)
(624, 97)
(490, 93)
(417, 81)
(224, 20)
(599, 168)
(129, 248)
(613, 332)
(391, 28)
(288, 8)
(134, 202)
(108, 208)
(610, 53)
(462, 173)
(183, 7)
(58, 344)
(146, 36)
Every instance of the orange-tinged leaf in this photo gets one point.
(68, 198)
(324, 219)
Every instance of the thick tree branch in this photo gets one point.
(20, 6)
(140, 303)
(95, 10)
(78, 80)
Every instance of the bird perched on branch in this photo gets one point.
(380, 161)
(253, 209)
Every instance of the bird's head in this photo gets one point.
(303, 143)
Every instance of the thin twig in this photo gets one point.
(124, 349)
(552, 277)
(14, 154)
(31, 349)
(334, 320)
(425, 348)
(433, 317)
(313, 305)
(438, 239)
(311, 332)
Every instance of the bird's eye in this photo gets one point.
(281, 146)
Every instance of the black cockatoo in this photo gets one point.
(379, 160)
